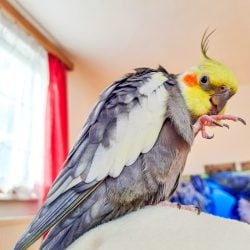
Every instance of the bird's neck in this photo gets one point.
(184, 82)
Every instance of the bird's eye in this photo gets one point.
(204, 80)
(223, 88)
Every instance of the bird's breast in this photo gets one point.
(167, 158)
(152, 177)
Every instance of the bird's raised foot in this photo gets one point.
(213, 120)
(180, 206)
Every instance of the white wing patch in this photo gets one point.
(154, 82)
(135, 132)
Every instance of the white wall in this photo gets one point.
(81, 98)
(85, 84)
(227, 145)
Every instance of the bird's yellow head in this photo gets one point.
(207, 87)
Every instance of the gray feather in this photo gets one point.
(150, 179)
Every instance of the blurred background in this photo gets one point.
(57, 56)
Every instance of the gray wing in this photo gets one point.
(151, 179)
(124, 123)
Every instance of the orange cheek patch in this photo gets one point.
(190, 80)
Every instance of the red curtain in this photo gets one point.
(56, 127)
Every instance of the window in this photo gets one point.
(23, 88)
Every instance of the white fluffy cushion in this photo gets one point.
(167, 228)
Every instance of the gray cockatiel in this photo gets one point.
(132, 149)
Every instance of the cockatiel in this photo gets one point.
(133, 148)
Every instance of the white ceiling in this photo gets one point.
(111, 37)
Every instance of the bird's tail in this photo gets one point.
(52, 214)
(93, 211)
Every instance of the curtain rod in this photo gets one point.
(34, 32)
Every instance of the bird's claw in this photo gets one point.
(213, 120)
(191, 208)
(198, 210)
(209, 137)
(180, 206)
(241, 120)
(226, 125)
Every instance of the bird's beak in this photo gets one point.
(219, 100)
